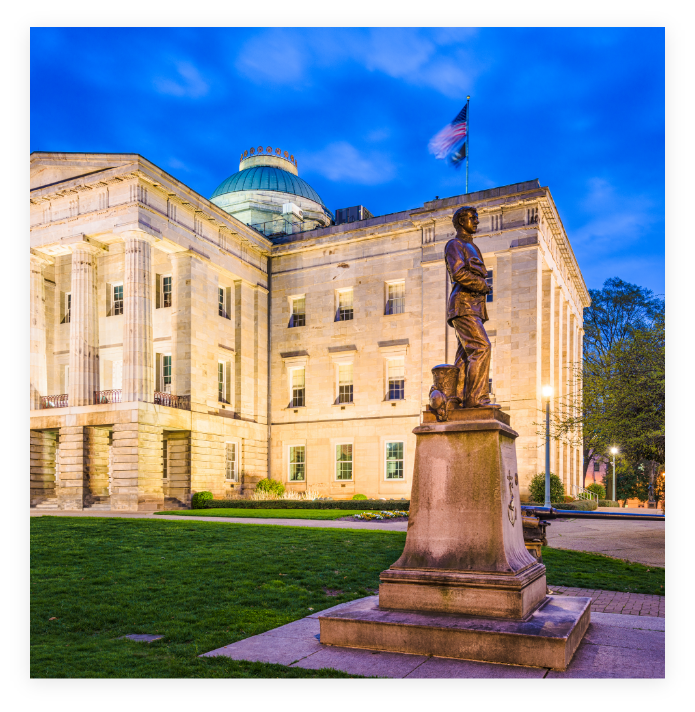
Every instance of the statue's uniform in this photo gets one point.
(466, 313)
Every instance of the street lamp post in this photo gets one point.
(547, 393)
(614, 450)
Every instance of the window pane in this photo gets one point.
(396, 380)
(345, 383)
(221, 382)
(488, 279)
(220, 309)
(394, 461)
(345, 312)
(298, 388)
(298, 312)
(297, 462)
(396, 298)
(166, 373)
(343, 464)
(231, 462)
(166, 291)
(118, 299)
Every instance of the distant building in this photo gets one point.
(353, 214)
(165, 360)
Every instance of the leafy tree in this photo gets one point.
(631, 481)
(597, 489)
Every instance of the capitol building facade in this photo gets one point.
(181, 344)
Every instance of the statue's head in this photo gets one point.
(465, 220)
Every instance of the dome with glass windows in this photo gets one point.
(268, 194)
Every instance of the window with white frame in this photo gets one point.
(116, 299)
(221, 310)
(166, 291)
(343, 461)
(298, 317)
(345, 386)
(396, 379)
(297, 463)
(166, 373)
(222, 381)
(394, 460)
(231, 464)
(395, 298)
(345, 310)
(67, 306)
(298, 385)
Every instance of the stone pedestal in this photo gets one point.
(465, 585)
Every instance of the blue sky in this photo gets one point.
(580, 109)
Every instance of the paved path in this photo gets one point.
(615, 646)
(632, 604)
(643, 542)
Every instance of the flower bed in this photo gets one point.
(384, 514)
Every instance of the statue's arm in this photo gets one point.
(460, 273)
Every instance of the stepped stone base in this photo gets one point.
(547, 638)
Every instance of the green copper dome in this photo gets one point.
(267, 178)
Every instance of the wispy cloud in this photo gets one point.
(341, 161)
(435, 59)
(189, 82)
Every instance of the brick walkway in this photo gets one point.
(633, 604)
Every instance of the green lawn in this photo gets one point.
(204, 585)
(268, 513)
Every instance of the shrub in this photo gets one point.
(580, 505)
(199, 498)
(567, 498)
(537, 488)
(598, 489)
(272, 487)
(608, 503)
(377, 504)
(359, 496)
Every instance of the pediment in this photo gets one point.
(50, 168)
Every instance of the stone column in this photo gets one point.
(181, 322)
(84, 326)
(37, 332)
(138, 355)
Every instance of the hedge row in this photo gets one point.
(362, 504)
(608, 503)
(579, 505)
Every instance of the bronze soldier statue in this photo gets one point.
(467, 310)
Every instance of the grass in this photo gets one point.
(268, 513)
(204, 585)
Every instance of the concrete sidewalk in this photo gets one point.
(615, 646)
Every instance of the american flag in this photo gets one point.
(452, 139)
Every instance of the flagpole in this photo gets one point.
(468, 133)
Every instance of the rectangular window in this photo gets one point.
(394, 461)
(396, 371)
(298, 387)
(345, 383)
(343, 462)
(531, 216)
(166, 373)
(220, 302)
(166, 291)
(117, 299)
(68, 306)
(297, 463)
(298, 317)
(345, 312)
(597, 466)
(488, 279)
(165, 459)
(222, 381)
(496, 222)
(395, 303)
(231, 471)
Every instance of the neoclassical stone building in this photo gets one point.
(181, 344)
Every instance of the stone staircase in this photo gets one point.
(102, 504)
(49, 504)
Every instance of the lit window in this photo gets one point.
(343, 462)
(166, 291)
(345, 383)
(297, 463)
(298, 386)
(345, 312)
(298, 317)
(117, 299)
(394, 461)
(488, 279)
(396, 372)
(395, 304)
(166, 373)
(231, 471)
(220, 302)
(222, 381)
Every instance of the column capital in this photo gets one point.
(137, 233)
(85, 243)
